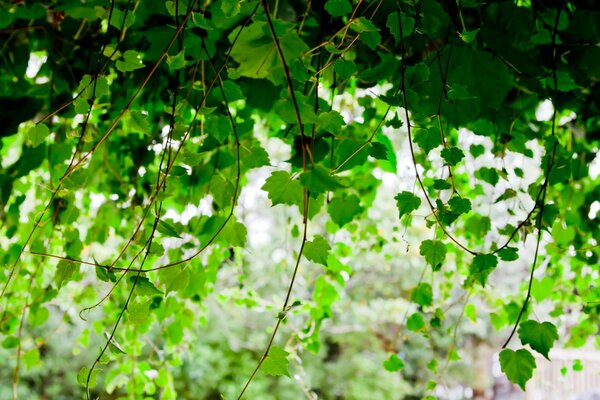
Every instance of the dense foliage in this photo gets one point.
(131, 128)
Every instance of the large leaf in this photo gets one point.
(517, 365)
(540, 337)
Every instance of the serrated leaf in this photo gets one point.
(343, 209)
(406, 203)
(459, 205)
(276, 362)
(452, 155)
(282, 189)
(517, 365)
(137, 313)
(428, 139)
(317, 250)
(422, 294)
(319, 180)
(434, 252)
(331, 121)
(393, 363)
(540, 337)
(482, 266)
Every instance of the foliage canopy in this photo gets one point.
(120, 117)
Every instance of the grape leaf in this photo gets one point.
(540, 337)
(434, 252)
(422, 294)
(452, 155)
(415, 322)
(282, 189)
(317, 250)
(407, 203)
(517, 365)
(276, 362)
(343, 209)
(482, 266)
(393, 363)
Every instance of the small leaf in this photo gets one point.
(167, 229)
(441, 184)
(406, 203)
(452, 155)
(508, 254)
(471, 312)
(469, 36)
(517, 365)
(482, 266)
(434, 252)
(422, 294)
(343, 209)
(38, 134)
(337, 8)
(131, 61)
(393, 363)
(459, 205)
(177, 61)
(144, 287)
(415, 322)
(540, 337)
(428, 139)
(317, 250)
(282, 189)
(64, 272)
(331, 121)
(276, 362)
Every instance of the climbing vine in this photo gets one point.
(132, 130)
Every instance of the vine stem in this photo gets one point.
(544, 186)
(305, 200)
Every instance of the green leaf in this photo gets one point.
(82, 376)
(331, 121)
(459, 205)
(137, 313)
(256, 55)
(471, 312)
(319, 180)
(422, 294)
(508, 254)
(64, 272)
(167, 229)
(343, 209)
(415, 322)
(37, 134)
(144, 287)
(174, 278)
(337, 8)
(489, 175)
(317, 250)
(428, 139)
(393, 363)
(517, 365)
(344, 68)
(177, 61)
(434, 252)
(406, 203)
(469, 36)
(540, 337)
(276, 363)
(441, 184)
(452, 155)
(282, 189)
(131, 61)
(482, 266)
